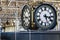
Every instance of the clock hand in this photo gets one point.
(45, 16)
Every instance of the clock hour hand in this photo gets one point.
(45, 16)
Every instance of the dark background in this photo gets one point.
(30, 36)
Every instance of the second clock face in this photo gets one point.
(26, 17)
(45, 16)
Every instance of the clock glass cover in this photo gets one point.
(45, 16)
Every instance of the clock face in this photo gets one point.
(26, 17)
(45, 16)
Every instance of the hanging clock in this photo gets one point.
(45, 16)
(26, 17)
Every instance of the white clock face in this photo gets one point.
(26, 16)
(44, 16)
